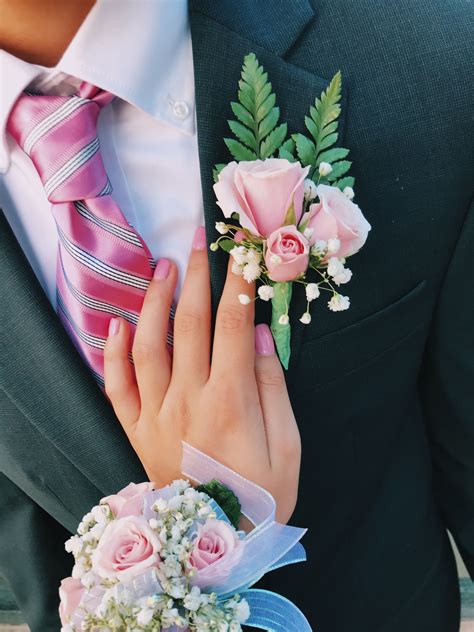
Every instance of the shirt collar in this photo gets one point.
(139, 51)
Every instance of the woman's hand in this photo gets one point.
(233, 406)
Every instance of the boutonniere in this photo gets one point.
(288, 202)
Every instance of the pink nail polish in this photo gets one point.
(162, 269)
(199, 241)
(264, 344)
(114, 326)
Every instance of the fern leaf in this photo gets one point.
(244, 134)
(305, 149)
(339, 169)
(256, 129)
(273, 141)
(348, 181)
(239, 151)
(331, 155)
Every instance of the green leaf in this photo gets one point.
(239, 151)
(216, 171)
(331, 155)
(327, 142)
(225, 498)
(227, 244)
(269, 122)
(273, 141)
(283, 153)
(265, 107)
(243, 134)
(348, 181)
(287, 150)
(290, 216)
(322, 122)
(242, 114)
(255, 130)
(305, 148)
(281, 333)
(339, 169)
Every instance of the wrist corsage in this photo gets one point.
(172, 559)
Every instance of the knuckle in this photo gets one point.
(270, 378)
(232, 319)
(187, 322)
(143, 352)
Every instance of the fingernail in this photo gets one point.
(199, 241)
(264, 344)
(114, 326)
(162, 269)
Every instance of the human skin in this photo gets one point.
(39, 31)
(228, 398)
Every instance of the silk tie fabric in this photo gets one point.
(103, 267)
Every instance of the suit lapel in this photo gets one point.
(221, 37)
(46, 379)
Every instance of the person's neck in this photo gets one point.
(40, 31)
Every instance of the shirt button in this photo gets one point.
(181, 109)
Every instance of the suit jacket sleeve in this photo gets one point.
(447, 386)
(32, 556)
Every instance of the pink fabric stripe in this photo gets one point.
(28, 112)
(93, 322)
(63, 142)
(89, 179)
(103, 245)
(92, 283)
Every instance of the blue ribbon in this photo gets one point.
(272, 612)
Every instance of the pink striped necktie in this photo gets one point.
(104, 267)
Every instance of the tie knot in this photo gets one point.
(60, 136)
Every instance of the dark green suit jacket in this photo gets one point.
(383, 393)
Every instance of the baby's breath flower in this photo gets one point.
(251, 271)
(339, 303)
(306, 318)
(214, 246)
(266, 292)
(335, 266)
(343, 277)
(312, 292)
(324, 169)
(319, 247)
(221, 228)
(236, 269)
(308, 232)
(239, 254)
(145, 616)
(284, 319)
(244, 299)
(349, 192)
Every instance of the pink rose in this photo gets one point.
(217, 550)
(70, 593)
(336, 217)
(261, 191)
(129, 501)
(286, 254)
(127, 547)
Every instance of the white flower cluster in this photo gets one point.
(82, 544)
(175, 519)
(246, 262)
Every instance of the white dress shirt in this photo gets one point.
(141, 51)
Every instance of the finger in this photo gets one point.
(234, 346)
(192, 324)
(120, 384)
(150, 350)
(283, 437)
